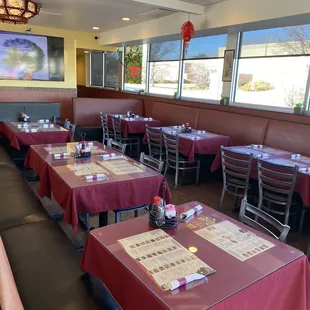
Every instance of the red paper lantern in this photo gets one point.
(187, 32)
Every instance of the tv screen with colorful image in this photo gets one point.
(31, 57)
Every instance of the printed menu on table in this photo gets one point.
(122, 166)
(70, 149)
(163, 258)
(232, 239)
(86, 169)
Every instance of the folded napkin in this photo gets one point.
(44, 121)
(265, 155)
(145, 118)
(201, 131)
(89, 144)
(295, 156)
(191, 212)
(257, 146)
(107, 156)
(31, 130)
(183, 281)
(22, 125)
(99, 176)
(304, 170)
(61, 155)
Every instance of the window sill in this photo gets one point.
(209, 101)
(262, 107)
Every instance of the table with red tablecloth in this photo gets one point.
(275, 156)
(197, 142)
(278, 278)
(134, 125)
(75, 194)
(42, 133)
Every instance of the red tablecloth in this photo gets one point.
(135, 125)
(278, 278)
(74, 194)
(19, 138)
(276, 156)
(196, 142)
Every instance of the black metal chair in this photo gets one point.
(175, 160)
(106, 132)
(119, 137)
(71, 128)
(60, 121)
(155, 142)
(119, 147)
(236, 174)
(153, 164)
(262, 221)
(276, 184)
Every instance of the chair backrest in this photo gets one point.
(155, 141)
(71, 128)
(262, 221)
(171, 142)
(117, 146)
(117, 128)
(60, 121)
(151, 162)
(277, 180)
(236, 167)
(308, 252)
(105, 126)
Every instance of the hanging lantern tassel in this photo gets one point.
(187, 33)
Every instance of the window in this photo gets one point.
(111, 70)
(203, 67)
(274, 66)
(164, 67)
(135, 67)
(96, 74)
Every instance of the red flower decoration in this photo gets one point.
(134, 71)
(187, 32)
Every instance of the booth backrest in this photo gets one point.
(86, 110)
(10, 111)
(289, 136)
(242, 129)
(170, 114)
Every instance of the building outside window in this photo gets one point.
(164, 67)
(135, 64)
(274, 66)
(203, 67)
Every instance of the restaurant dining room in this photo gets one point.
(154, 155)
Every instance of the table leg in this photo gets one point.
(103, 219)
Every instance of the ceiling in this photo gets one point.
(82, 15)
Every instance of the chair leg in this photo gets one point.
(138, 148)
(117, 217)
(198, 173)
(301, 221)
(166, 169)
(236, 198)
(176, 177)
(222, 197)
(136, 213)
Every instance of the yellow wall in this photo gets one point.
(80, 70)
(72, 41)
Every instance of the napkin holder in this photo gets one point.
(186, 128)
(82, 152)
(169, 223)
(24, 118)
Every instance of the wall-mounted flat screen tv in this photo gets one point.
(31, 57)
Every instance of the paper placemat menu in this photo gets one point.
(163, 258)
(86, 169)
(232, 239)
(121, 167)
(59, 149)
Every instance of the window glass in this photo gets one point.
(111, 69)
(164, 51)
(206, 47)
(97, 69)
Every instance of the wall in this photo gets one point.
(230, 15)
(149, 100)
(72, 41)
(80, 70)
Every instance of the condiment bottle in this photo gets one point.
(159, 209)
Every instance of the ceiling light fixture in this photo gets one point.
(96, 28)
(18, 11)
(126, 19)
